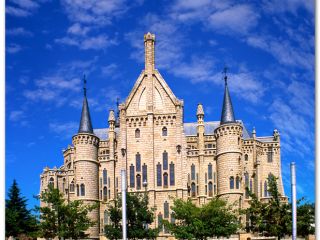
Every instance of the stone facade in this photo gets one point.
(163, 156)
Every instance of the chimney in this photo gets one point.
(149, 40)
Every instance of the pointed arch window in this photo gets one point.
(214, 189)
(165, 160)
(210, 189)
(266, 189)
(63, 184)
(246, 182)
(193, 189)
(193, 172)
(106, 217)
(78, 190)
(210, 171)
(231, 182)
(172, 181)
(159, 175)
(72, 186)
(166, 209)
(237, 182)
(270, 154)
(246, 157)
(251, 187)
(144, 173)
(131, 176)
(105, 194)
(51, 182)
(138, 178)
(138, 162)
(137, 133)
(82, 190)
(105, 176)
(160, 225)
(165, 180)
(164, 131)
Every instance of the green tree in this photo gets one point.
(305, 219)
(19, 219)
(139, 216)
(214, 219)
(67, 220)
(273, 218)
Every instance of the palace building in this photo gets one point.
(163, 156)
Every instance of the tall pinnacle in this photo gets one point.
(227, 115)
(85, 121)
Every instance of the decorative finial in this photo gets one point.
(84, 85)
(118, 113)
(225, 70)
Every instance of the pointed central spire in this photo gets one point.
(227, 115)
(85, 121)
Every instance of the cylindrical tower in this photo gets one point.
(228, 156)
(86, 166)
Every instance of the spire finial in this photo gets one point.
(84, 85)
(225, 70)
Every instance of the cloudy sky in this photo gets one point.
(267, 45)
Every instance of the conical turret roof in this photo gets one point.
(85, 121)
(227, 115)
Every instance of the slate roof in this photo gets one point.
(190, 129)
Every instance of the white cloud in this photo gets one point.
(291, 6)
(19, 32)
(26, 4)
(96, 43)
(239, 19)
(16, 115)
(94, 12)
(77, 29)
(13, 48)
(17, 12)
(109, 69)
(64, 130)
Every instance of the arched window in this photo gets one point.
(166, 209)
(104, 173)
(270, 175)
(173, 220)
(105, 194)
(138, 177)
(82, 190)
(246, 157)
(138, 162)
(144, 173)
(72, 186)
(238, 182)
(159, 175)
(214, 189)
(246, 182)
(231, 182)
(165, 160)
(63, 184)
(238, 141)
(270, 154)
(210, 171)
(137, 133)
(132, 176)
(251, 187)
(193, 189)
(51, 182)
(106, 217)
(165, 179)
(172, 182)
(78, 190)
(210, 189)
(193, 172)
(164, 132)
(266, 189)
(160, 225)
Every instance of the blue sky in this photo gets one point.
(267, 45)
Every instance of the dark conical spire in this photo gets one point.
(227, 115)
(85, 121)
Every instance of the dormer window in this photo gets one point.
(137, 133)
(164, 132)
